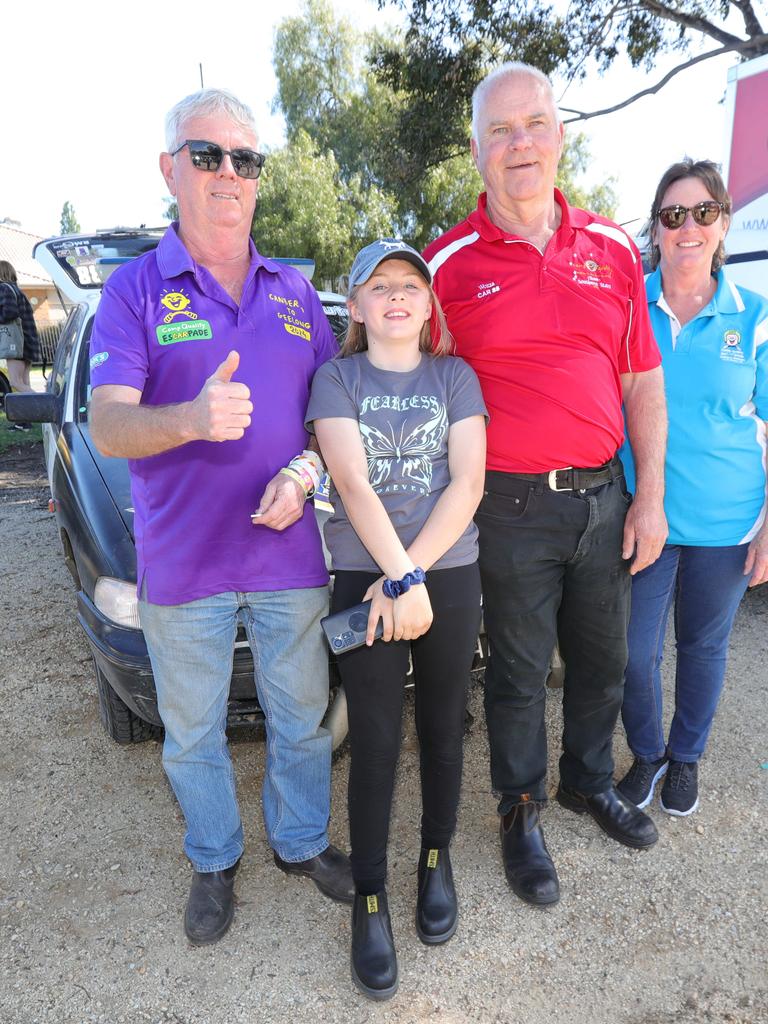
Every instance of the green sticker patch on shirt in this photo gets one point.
(194, 330)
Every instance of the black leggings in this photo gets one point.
(374, 678)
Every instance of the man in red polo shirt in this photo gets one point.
(547, 304)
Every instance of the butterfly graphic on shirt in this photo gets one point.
(407, 455)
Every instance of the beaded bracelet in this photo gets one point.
(394, 588)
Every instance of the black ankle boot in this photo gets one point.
(527, 862)
(374, 960)
(437, 912)
(211, 905)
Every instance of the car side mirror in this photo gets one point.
(26, 408)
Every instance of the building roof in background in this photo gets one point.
(16, 247)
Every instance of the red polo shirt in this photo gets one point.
(548, 334)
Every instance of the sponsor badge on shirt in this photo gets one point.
(732, 352)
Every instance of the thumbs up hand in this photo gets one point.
(222, 410)
(226, 369)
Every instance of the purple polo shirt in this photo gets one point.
(163, 325)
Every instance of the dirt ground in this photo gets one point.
(93, 880)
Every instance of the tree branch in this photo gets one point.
(742, 46)
(689, 21)
(592, 39)
(751, 23)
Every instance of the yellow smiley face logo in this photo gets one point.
(175, 301)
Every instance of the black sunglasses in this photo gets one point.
(704, 214)
(207, 156)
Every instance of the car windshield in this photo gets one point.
(338, 316)
(88, 261)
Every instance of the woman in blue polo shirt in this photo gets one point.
(713, 338)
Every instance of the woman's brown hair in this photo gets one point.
(707, 172)
(7, 273)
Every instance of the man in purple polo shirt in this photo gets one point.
(202, 355)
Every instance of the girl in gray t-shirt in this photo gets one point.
(401, 425)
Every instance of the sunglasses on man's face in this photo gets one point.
(207, 156)
(704, 214)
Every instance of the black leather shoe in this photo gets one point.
(527, 862)
(437, 912)
(211, 905)
(616, 816)
(374, 960)
(330, 871)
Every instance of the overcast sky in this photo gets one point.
(85, 94)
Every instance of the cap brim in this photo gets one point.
(413, 258)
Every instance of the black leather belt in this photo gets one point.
(572, 479)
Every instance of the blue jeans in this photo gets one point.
(191, 649)
(706, 585)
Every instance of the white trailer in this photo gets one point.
(745, 170)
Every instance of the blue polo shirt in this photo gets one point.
(163, 326)
(716, 383)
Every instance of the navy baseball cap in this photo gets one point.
(372, 255)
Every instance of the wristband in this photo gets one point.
(394, 588)
(314, 459)
(302, 479)
(310, 470)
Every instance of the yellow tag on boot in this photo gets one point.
(373, 904)
(432, 859)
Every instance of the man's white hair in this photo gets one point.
(203, 104)
(511, 67)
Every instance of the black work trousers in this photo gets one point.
(374, 679)
(551, 568)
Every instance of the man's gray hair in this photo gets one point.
(203, 104)
(511, 67)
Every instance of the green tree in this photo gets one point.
(600, 198)
(446, 194)
(376, 126)
(326, 89)
(69, 224)
(307, 209)
(171, 211)
(450, 43)
(317, 64)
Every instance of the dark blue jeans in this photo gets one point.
(551, 567)
(706, 585)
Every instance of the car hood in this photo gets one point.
(116, 476)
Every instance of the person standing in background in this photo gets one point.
(15, 304)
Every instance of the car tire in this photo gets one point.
(336, 720)
(119, 722)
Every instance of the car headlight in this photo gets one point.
(117, 600)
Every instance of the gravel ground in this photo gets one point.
(93, 880)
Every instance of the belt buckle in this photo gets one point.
(552, 478)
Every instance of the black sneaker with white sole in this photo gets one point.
(680, 792)
(640, 781)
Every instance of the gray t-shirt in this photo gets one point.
(404, 420)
